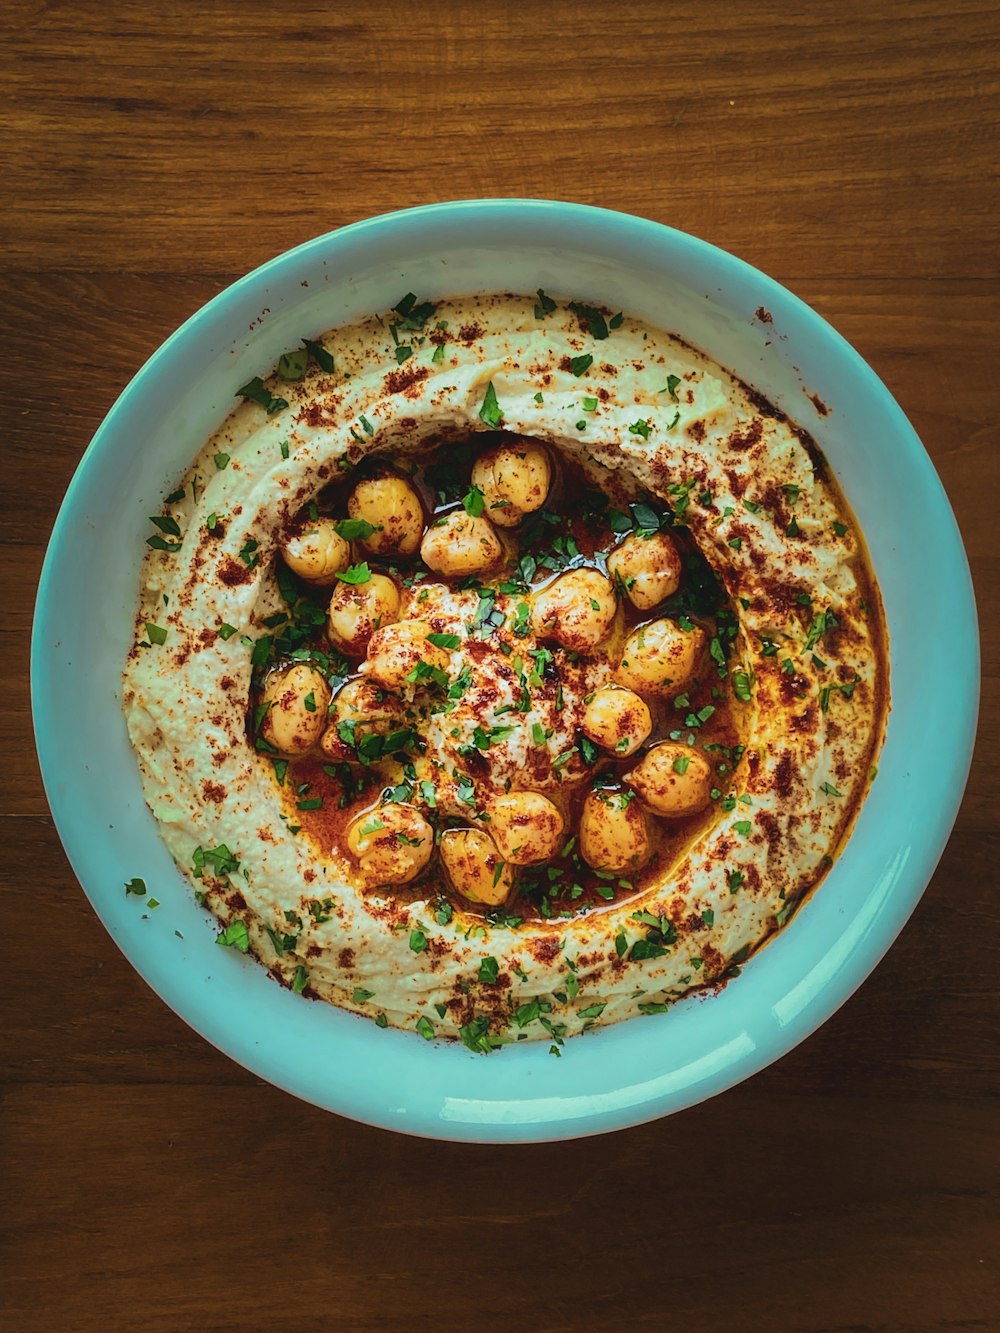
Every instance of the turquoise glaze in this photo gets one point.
(637, 1070)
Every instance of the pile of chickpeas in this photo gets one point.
(393, 843)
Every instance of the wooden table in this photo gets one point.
(155, 152)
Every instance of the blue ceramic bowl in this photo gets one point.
(637, 1070)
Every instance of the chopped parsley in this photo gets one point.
(645, 519)
(595, 321)
(423, 672)
(356, 529)
(489, 970)
(659, 939)
(166, 524)
(220, 859)
(249, 553)
(256, 392)
(472, 502)
(292, 365)
(319, 354)
(823, 622)
(234, 936)
(490, 412)
(476, 1033)
(356, 574)
(742, 686)
(412, 314)
(847, 690)
(544, 306)
(588, 750)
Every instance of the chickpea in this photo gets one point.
(317, 553)
(474, 867)
(357, 610)
(298, 698)
(526, 827)
(577, 609)
(613, 832)
(459, 544)
(368, 709)
(647, 568)
(391, 843)
(393, 508)
(673, 780)
(660, 658)
(616, 719)
(514, 480)
(396, 652)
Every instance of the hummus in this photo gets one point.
(504, 667)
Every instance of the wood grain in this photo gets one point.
(759, 126)
(150, 155)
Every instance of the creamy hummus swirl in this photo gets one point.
(754, 494)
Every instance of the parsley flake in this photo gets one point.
(491, 412)
(234, 936)
(356, 574)
(544, 306)
(256, 392)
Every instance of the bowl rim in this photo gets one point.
(906, 889)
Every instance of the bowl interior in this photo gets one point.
(626, 1073)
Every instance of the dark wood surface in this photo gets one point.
(151, 154)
